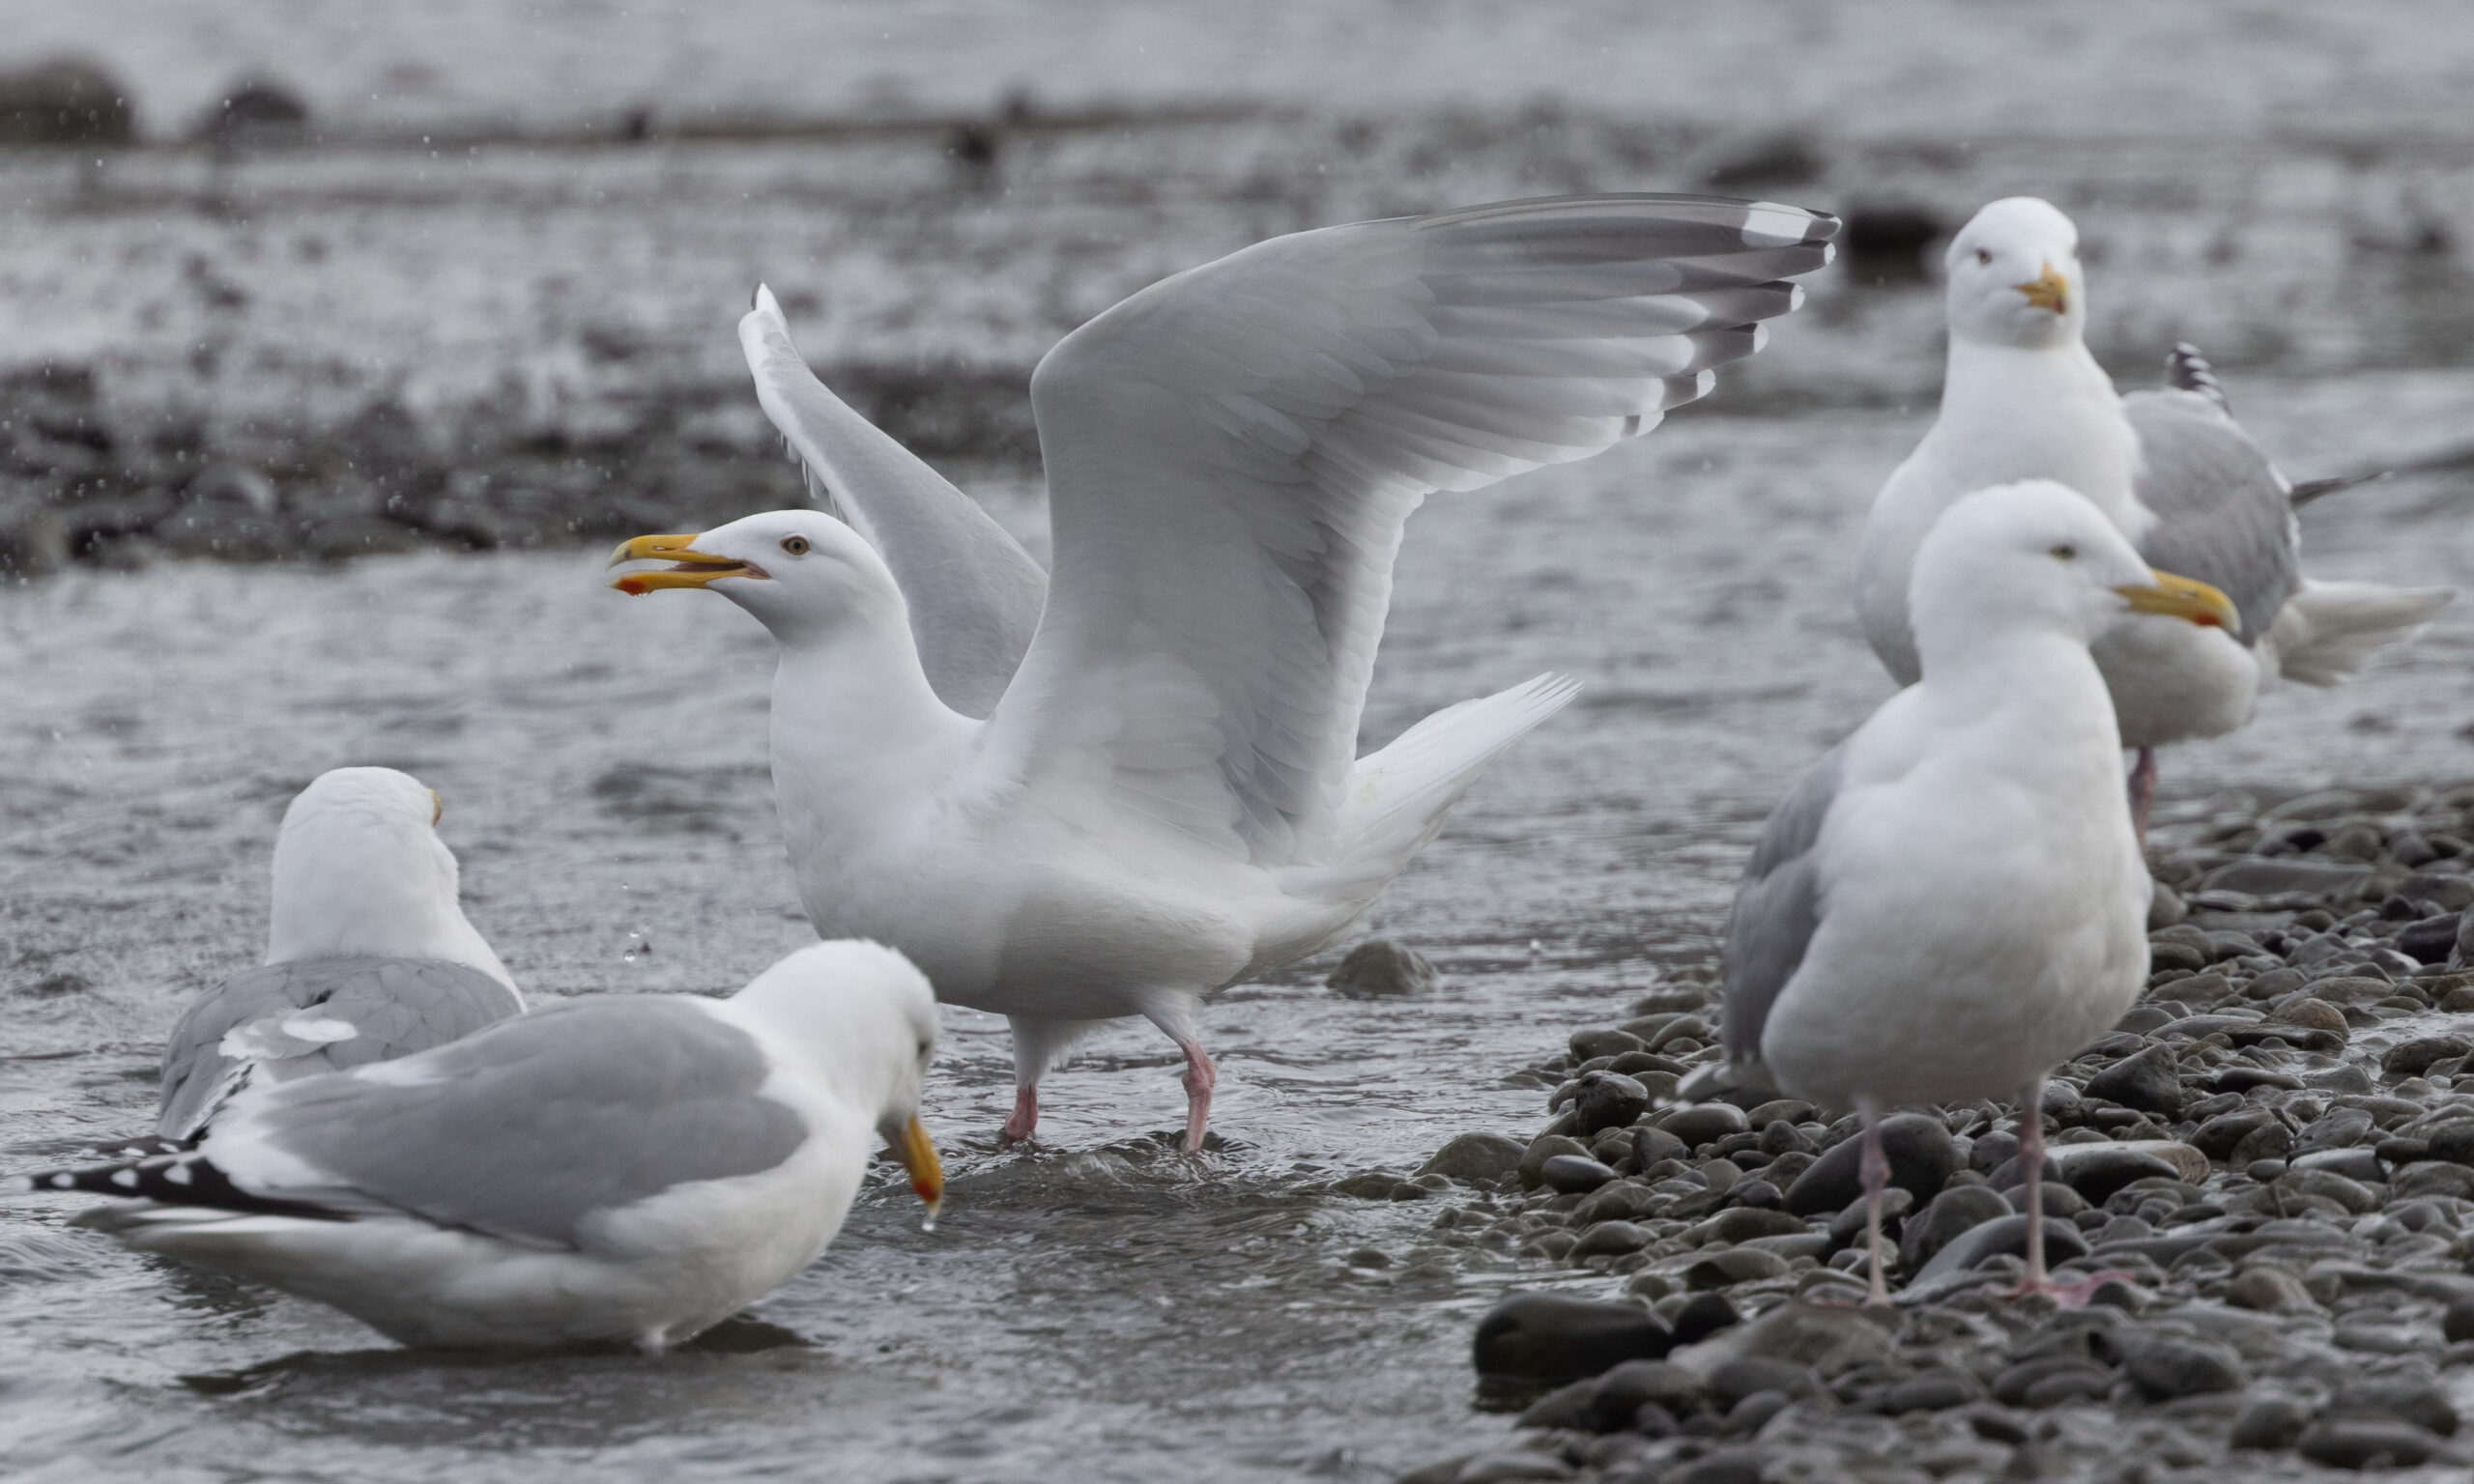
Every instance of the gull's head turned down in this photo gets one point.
(2038, 555)
(2014, 276)
(359, 873)
(802, 573)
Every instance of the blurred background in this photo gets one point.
(337, 342)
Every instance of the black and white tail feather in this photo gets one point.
(2187, 370)
(183, 1178)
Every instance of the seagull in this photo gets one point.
(369, 954)
(620, 1169)
(1954, 899)
(2024, 399)
(1163, 798)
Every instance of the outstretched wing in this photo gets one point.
(1232, 452)
(340, 1012)
(974, 595)
(2223, 512)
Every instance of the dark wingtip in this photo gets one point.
(2187, 370)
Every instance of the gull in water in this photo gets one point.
(609, 1169)
(2023, 399)
(1165, 797)
(369, 955)
(1952, 900)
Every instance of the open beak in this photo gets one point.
(2047, 289)
(918, 1155)
(695, 569)
(2182, 597)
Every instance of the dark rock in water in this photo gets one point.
(2433, 939)
(1923, 1157)
(2367, 1443)
(2413, 1058)
(1703, 1317)
(1565, 1407)
(1532, 1169)
(1552, 1338)
(2166, 1369)
(1480, 1158)
(1957, 1210)
(1702, 1122)
(1614, 1238)
(1784, 158)
(2271, 1422)
(1891, 242)
(2150, 1081)
(1573, 1173)
(258, 111)
(2004, 1234)
(2096, 1176)
(1935, 1390)
(2404, 1398)
(63, 101)
(1617, 1397)
(1732, 1380)
(1607, 1100)
(1387, 967)
(1606, 1041)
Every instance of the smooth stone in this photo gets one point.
(1589, 1045)
(1573, 1173)
(1652, 1145)
(2010, 1174)
(1610, 1239)
(2150, 1081)
(1934, 1390)
(2361, 1442)
(2217, 1137)
(1731, 1266)
(2404, 1398)
(1991, 1151)
(1512, 1466)
(2056, 1198)
(1619, 1201)
(1701, 1316)
(1548, 1146)
(1956, 1211)
(1567, 1406)
(2452, 1142)
(2433, 940)
(2004, 1234)
(1753, 1414)
(2276, 875)
(1704, 1123)
(2354, 1163)
(1480, 1158)
(2049, 1381)
(1743, 1376)
(1829, 1338)
(2105, 1169)
(2166, 1369)
(1555, 1338)
(2270, 1291)
(1848, 1228)
(1619, 1395)
(2413, 1058)
(2269, 1143)
(1607, 1100)
(2271, 1423)
(1719, 1469)
(1742, 1223)
(2457, 1324)
(1923, 1157)
(1383, 966)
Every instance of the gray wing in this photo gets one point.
(525, 1128)
(391, 1008)
(974, 595)
(1777, 907)
(2223, 512)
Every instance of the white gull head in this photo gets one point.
(359, 873)
(2014, 276)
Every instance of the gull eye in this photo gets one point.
(1984, 255)
(796, 546)
(2065, 552)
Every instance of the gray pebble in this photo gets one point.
(1922, 1156)
(2269, 1422)
(2366, 1442)
(1480, 1158)
(2005, 1234)
(1573, 1173)
(1956, 1211)
(1383, 966)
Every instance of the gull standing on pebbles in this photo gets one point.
(369, 954)
(609, 1169)
(1952, 901)
(1165, 799)
(2023, 399)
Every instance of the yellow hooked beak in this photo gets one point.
(918, 1155)
(2047, 289)
(437, 808)
(2182, 597)
(695, 569)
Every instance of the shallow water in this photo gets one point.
(1097, 1309)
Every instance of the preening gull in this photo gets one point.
(2023, 399)
(612, 1168)
(369, 954)
(1167, 798)
(1952, 900)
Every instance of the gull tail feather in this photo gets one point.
(187, 1179)
(2328, 630)
(1398, 796)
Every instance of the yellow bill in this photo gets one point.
(2185, 598)
(918, 1155)
(694, 569)
(2047, 289)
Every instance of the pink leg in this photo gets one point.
(1201, 1078)
(2142, 791)
(1026, 1113)
(2031, 1164)
(1875, 1173)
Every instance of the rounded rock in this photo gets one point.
(1480, 1158)
(1610, 1239)
(1608, 1099)
(1705, 1123)
(1701, 1316)
(1573, 1173)
(1532, 1160)
(1923, 1157)
(1555, 1338)
(1935, 1390)
(1383, 966)
(2166, 1369)
(1956, 1211)
(2270, 1423)
(2150, 1082)
(2366, 1443)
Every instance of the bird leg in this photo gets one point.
(2143, 797)
(1875, 1173)
(1026, 1116)
(1201, 1078)
(2032, 1163)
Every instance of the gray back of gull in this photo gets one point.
(530, 1125)
(2223, 512)
(397, 1005)
(1777, 907)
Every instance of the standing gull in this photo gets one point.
(368, 953)
(1166, 799)
(614, 1168)
(2023, 399)
(1952, 901)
